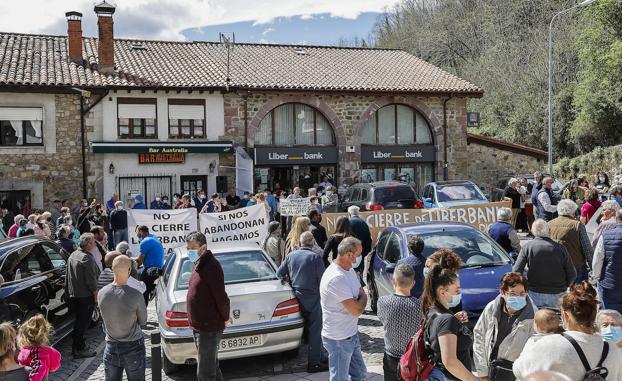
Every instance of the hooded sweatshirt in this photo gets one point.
(42, 360)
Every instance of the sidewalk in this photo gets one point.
(374, 373)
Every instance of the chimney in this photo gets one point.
(105, 49)
(74, 36)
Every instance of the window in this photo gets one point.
(393, 250)
(417, 175)
(396, 124)
(186, 118)
(54, 254)
(21, 126)
(137, 118)
(382, 243)
(356, 195)
(294, 124)
(168, 267)
(458, 192)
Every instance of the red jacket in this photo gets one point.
(207, 301)
(42, 361)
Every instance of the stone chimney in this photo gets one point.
(74, 36)
(105, 49)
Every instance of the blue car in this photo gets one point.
(483, 261)
(442, 194)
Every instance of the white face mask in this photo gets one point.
(158, 198)
(601, 179)
(175, 199)
(358, 261)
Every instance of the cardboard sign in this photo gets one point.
(295, 207)
(246, 224)
(170, 226)
(480, 216)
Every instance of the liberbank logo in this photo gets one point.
(304, 156)
(391, 155)
(397, 154)
(295, 155)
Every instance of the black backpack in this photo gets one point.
(599, 373)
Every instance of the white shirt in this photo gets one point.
(336, 286)
(545, 201)
(598, 260)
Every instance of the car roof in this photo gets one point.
(13, 244)
(434, 226)
(453, 182)
(380, 184)
(225, 247)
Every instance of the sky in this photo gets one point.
(319, 22)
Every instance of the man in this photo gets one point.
(233, 200)
(99, 251)
(118, 223)
(200, 200)
(550, 271)
(416, 260)
(318, 231)
(535, 188)
(295, 194)
(546, 200)
(213, 206)
(111, 204)
(81, 287)
(83, 224)
(151, 257)
(571, 233)
(55, 211)
(123, 313)
(607, 266)
(304, 269)
(166, 205)
(208, 306)
(504, 233)
(8, 218)
(157, 202)
(343, 300)
(391, 312)
(139, 202)
(244, 201)
(360, 230)
(608, 221)
(616, 194)
(271, 200)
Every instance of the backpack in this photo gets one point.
(415, 364)
(598, 373)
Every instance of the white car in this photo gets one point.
(266, 314)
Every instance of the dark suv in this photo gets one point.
(381, 195)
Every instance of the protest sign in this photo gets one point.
(246, 224)
(295, 207)
(479, 215)
(170, 226)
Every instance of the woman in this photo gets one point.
(503, 329)
(273, 245)
(574, 192)
(450, 340)
(252, 201)
(511, 192)
(261, 199)
(343, 229)
(602, 182)
(64, 241)
(299, 226)
(578, 311)
(608, 221)
(10, 370)
(592, 203)
(609, 323)
(330, 200)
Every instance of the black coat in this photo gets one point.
(512, 194)
(360, 230)
(319, 233)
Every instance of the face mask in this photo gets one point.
(455, 300)
(612, 334)
(165, 200)
(202, 197)
(193, 255)
(119, 207)
(358, 261)
(426, 271)
(85, 204)
(601, 179)
(158, 198)
(175, 199)
(516, 303)
(245, 197)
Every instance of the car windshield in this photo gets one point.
(393, 193)
(474, 248)
(238, 267)
(458, 192)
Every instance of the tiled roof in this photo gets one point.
(42, 60)
(502, 144)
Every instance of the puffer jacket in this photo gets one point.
(485, 335)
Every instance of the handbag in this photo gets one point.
(501, 370)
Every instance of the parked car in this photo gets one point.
(484, 261)
(441, 194)
(266, 314)
(381, 195)
(33, 269)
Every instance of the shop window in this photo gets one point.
(294, 124)
(396, 124)
(186, 118)
(137, 117)
(21, 126)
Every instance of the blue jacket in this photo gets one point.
(274, 207)
(140, 205)
(360, 230)
(418, 263)
(500, 232)
(534, 193)
(612, 266)
(305, 268)
(199, 204)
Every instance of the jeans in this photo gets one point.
(345, 359)
(610, 299)
(149, 282)
(207, 361)
(119, 235)
(312, 313)
(546, 300)
(83, 309)
(129, 356)
(437, 375)
(389, 366)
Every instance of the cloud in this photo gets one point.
(267, 30)
(166, 19)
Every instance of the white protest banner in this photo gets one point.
(295, 207)
(170, 226)
(246, 224)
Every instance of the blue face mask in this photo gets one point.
(612, 334)
(426, 271)
(455, 300)
(516, 303)
(193, 255)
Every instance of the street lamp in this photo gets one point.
(550, 145)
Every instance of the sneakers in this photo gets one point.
(321, 367)
(82, 354)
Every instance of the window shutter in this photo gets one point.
(186, 112)
(21, 113)
(140, 111)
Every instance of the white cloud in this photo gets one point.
(267, 30)
(166, 19)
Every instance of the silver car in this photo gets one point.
(266, 314)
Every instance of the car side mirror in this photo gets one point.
(390, 268)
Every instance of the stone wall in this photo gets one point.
(347, 114)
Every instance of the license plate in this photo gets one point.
(240, 342)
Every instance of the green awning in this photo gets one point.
(162, 147)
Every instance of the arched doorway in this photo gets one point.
(294, 146)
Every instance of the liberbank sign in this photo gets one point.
(295, 155)
(397, 154)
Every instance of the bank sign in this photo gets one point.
(295, 155)
(397, 154)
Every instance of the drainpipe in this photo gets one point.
(445, 163)
(245, 97)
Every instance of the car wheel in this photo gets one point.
(373, 294)
(167, 366)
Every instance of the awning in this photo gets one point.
(162, 147)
